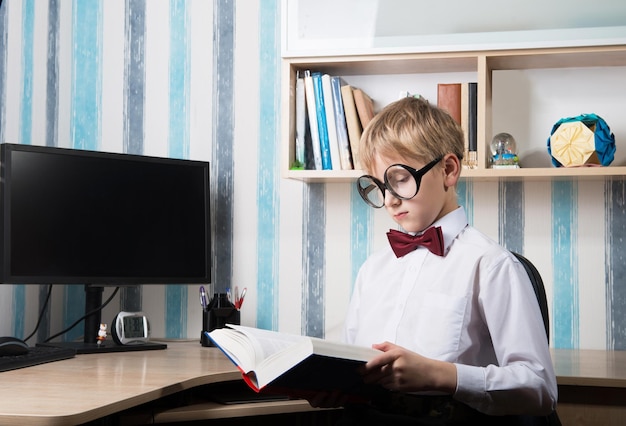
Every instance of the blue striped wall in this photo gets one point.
(178, 139)
(222, 169)
(296, 246)
(267, 174)
(565, 258)
(134, 109)
(615, 236)
(52, 74)
(85, 112)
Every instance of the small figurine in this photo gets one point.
(102, 334)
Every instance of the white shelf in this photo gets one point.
(480, 65)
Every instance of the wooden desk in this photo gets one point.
(90, 387)
(592, 386)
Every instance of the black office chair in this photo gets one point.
(540, 291)
(535, 279)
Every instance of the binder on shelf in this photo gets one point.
(449, 99)
(352, 123)
(302, 126)
(364, 106)
(465, 113)
(472, 129)
(320, 110)
(331, 122)
(345, 155)
(312, 114)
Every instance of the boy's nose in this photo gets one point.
(390, 199)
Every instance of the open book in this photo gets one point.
(294, 365)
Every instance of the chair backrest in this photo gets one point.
(535, 279)
(540, 291)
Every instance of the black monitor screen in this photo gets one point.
(76, 216)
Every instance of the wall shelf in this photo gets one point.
(480, 66)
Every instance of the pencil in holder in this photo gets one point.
(219, 312)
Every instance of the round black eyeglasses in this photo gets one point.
(401, 181)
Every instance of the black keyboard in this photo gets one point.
(35, 355)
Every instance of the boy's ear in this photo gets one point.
(452, 166)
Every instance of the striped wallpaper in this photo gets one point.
(201, 80)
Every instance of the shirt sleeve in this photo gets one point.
(524, 379)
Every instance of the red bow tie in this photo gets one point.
(402, 243)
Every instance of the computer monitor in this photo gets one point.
(71, 216)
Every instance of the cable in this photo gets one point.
(84, 316)
(41, 313)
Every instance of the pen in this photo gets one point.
(239, 300)
(203, 301)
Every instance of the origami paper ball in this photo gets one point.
(581, 141)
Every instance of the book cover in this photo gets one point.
(294, 365)
(322, 127)
(449, 99)
(345, 155)
(472, 130)
(331, 122)
(311, 108)
(302, 126)
(465, 116)
(352, 123)
(364, 106)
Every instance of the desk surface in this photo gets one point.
(590, 367)
(88, 387)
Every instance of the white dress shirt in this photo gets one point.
(474, 307)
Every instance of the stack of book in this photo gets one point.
(460, 101)
(330, 117)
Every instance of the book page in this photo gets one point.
(237, 347)
(342, 350)
(268, 342)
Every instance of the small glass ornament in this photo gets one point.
(504, 152)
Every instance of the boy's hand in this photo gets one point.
(402, 370)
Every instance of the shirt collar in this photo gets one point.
(451, 225)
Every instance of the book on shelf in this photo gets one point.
(464, 100)
(303, 133)
(364, 106)
(472, 125)
(469, 106)
(343, 141)
(309, 89)
(449, 99)
(472, 129)
(294, 365)
(331, 122)
(460, 101)
(322, 126)
(352, 123)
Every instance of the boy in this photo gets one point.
(463, 324)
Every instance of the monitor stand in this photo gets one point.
(89, 345)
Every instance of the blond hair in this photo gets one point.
(412, 129)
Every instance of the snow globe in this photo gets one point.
(504, 152)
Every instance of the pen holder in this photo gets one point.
(219, 312)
